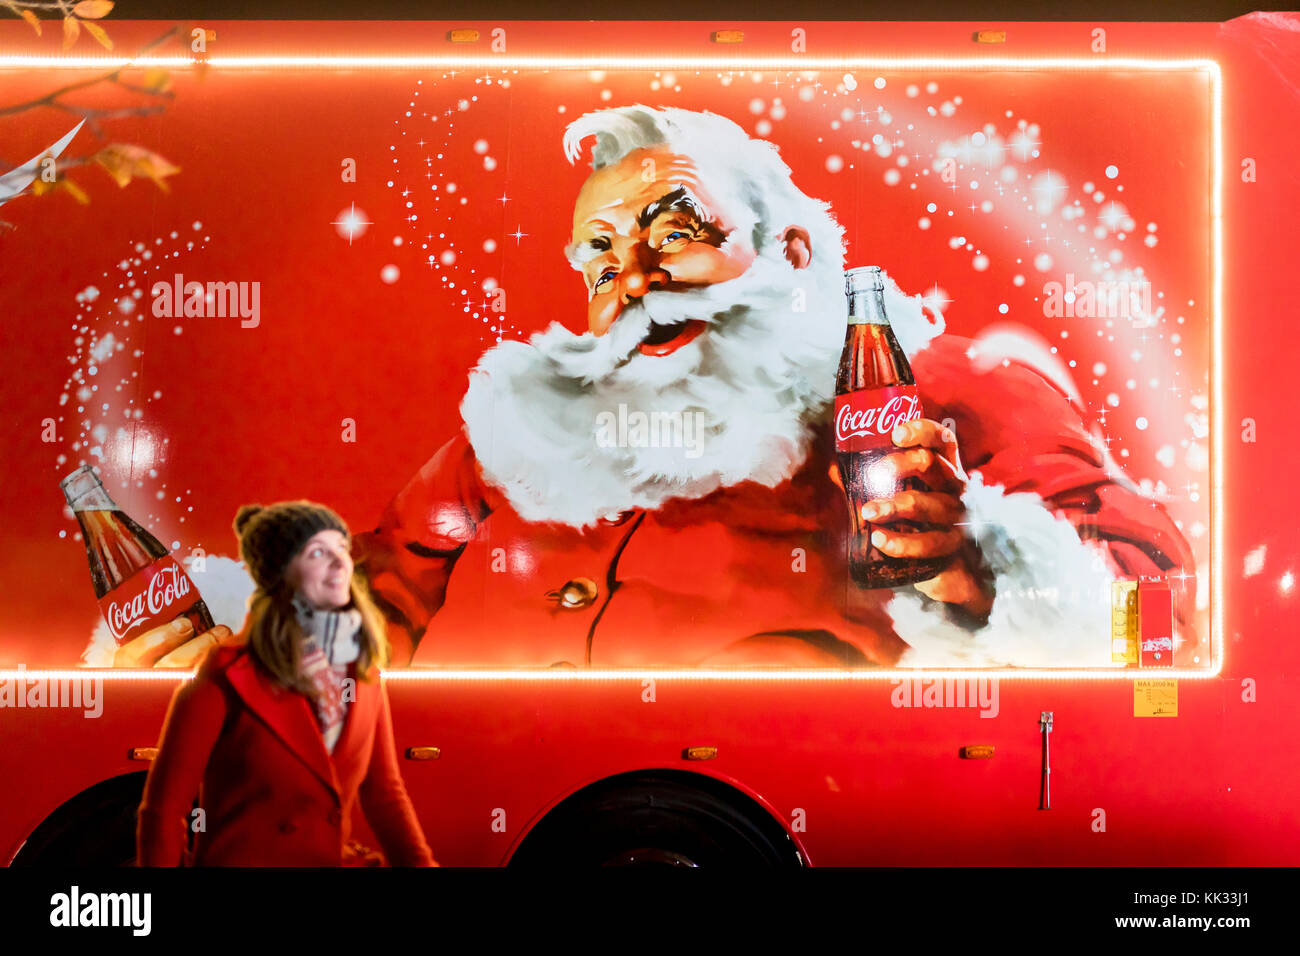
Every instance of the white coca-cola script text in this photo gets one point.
(898, 410)
(168, 586)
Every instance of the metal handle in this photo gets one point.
(1045, 788)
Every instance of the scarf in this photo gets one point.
(331, 641)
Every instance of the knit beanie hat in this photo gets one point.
(270, 537)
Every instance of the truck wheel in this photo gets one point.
(95, 828)
(657, 819)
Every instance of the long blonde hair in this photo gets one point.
(275, 637)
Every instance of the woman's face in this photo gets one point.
(322, 570)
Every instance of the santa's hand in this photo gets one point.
(930, 454)
(173, 644)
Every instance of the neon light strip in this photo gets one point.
(796, 63)
(1216, 359)
(605, 63)
(813, 674)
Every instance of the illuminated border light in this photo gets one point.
(747, 64)
(606, 62)
(628, 674)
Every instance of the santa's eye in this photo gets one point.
(677, 235)
(604, 277)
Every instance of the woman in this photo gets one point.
(280, 736)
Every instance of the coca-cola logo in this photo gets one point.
(1158, 644)
(168, 584)
(853, 422)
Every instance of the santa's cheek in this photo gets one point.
(601, 313)
(707, 264)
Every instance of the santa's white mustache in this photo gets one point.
(589, 356)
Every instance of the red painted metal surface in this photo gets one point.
(876, 783)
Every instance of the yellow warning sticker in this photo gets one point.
(1124, 622)
(1155, 698)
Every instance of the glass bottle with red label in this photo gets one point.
(138, 583)
(874, 393)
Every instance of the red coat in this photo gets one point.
(273, 795)
(747, 575)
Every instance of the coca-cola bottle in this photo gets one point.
(874, 393)
(138, 583)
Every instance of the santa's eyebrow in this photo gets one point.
(580, 253)
(680, 199)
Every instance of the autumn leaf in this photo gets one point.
(71, 27)
(93, 9)
(30, 18)
(74, 190)
(157, 81)
(125, 161)
(99, 34)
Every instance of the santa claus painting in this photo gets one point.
(653, 485)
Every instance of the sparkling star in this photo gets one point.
(350, 224)
(503, 199)
(517, 234)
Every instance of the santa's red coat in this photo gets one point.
(747, 575)
(271, 794)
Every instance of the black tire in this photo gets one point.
(655, 819)
(95, 828)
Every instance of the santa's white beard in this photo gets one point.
(753, 383)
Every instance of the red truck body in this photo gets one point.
(850, 775)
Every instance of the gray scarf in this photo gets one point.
(331, 641)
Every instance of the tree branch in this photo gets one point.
(50, 99)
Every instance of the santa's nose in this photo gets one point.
(634, 280)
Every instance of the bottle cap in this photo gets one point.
(863, 279)
(80, 483)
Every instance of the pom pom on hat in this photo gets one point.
(244, 515)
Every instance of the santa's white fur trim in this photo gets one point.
(1052, 604)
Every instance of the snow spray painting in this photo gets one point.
(561, 346)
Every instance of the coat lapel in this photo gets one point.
(289, 716)
(359, 718)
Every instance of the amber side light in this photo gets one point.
(991, 36)
(699, 753)
(142, 753)
(976, 752)
(462, 36)
(423, 753)
(727, 36)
